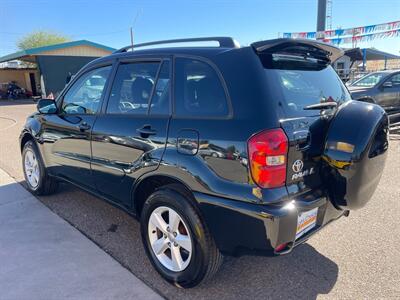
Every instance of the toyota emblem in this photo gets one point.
(297, 166)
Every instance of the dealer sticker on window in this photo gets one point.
(306, 221)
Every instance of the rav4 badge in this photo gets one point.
(297, 167)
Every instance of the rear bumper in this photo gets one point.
(246, 228)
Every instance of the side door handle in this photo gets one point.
(84, 126)
(146, 131)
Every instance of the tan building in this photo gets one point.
(21, 76)
(376, 65)
(47, 68)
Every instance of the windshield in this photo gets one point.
(369, 80)
(300, 88)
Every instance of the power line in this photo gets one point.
(133, 25)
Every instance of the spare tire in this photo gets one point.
(355, 153)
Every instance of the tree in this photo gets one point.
(41, 38)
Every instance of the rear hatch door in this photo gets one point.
(298, 73)
(313, 111)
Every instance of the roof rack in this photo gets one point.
(224, 42)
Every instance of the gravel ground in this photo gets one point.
(356, 257)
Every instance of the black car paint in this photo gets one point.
(387, 97)
(112, 159)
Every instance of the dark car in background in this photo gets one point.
(217, 150)
(382, 88)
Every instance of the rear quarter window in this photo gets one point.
(198, 90)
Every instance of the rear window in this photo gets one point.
(303, 85)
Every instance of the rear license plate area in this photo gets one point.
(306, 221)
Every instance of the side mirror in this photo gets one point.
(387, 84)
(47, 106)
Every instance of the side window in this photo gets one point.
(85, 94)
(160, 101)
(395, 80)
(132, 88)
(198, 90)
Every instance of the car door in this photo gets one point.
(395, 104)
(389, 94)
(128, 138)
(66, 135)
(203, 133)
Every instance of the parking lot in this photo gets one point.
(355, 257)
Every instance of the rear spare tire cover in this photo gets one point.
(355, 153)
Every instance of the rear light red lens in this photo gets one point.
(268, 158)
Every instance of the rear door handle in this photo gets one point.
(146, 131)
(84, 126)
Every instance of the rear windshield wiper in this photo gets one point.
(322, 105)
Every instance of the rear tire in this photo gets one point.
(204, 259)
(35, 172)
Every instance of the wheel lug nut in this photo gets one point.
(175, 234)
(169, 244)
(165, 236)
(175, 244)
(168, 229)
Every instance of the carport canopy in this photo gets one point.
(56, 63)
(369, 54)
(75, 48)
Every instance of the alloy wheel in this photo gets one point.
(170, 239)
(32, 170)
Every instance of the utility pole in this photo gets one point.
(329, 14)
(321, 17)
(131, 37)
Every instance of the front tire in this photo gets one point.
(177, 240)
(35, 173)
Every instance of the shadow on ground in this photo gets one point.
(303, 274)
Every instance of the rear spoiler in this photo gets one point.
(330, 52)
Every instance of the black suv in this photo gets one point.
(221, 150)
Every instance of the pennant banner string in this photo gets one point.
(352, 32)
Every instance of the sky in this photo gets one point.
(108, 22)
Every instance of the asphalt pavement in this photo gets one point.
(354, 258)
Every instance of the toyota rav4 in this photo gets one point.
(218, 150)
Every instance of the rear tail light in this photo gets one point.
(268, 158)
